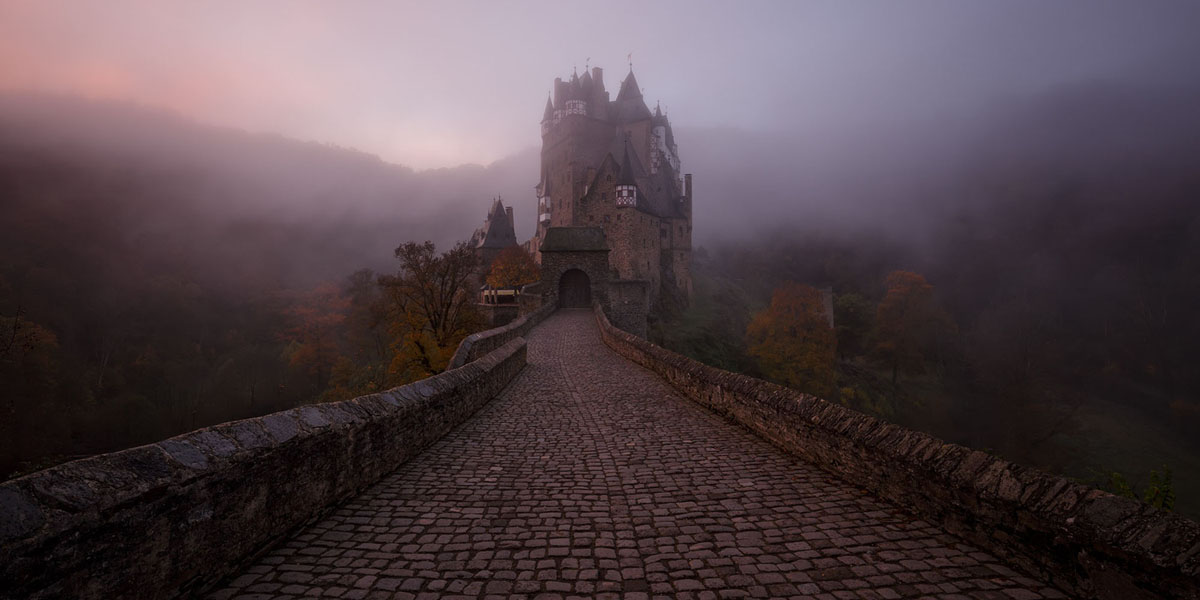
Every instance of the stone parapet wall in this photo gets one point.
(169, 519)
(481, 343)
(1084, 540)
(629, 305)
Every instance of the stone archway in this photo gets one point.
(574, 290)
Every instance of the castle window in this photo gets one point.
(608, 177)
(604, 195)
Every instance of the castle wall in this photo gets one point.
(628, 305)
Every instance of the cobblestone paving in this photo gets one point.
(591, 477)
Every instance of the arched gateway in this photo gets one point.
(575, 266)
(574, 290)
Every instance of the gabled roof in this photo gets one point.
(657, 192)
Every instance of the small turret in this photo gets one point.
(548, 116)
(576, 98)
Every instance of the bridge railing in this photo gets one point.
(170, 519)
(1084, 540)
(479, 344)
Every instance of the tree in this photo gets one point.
(317, 328)
(909, 323)
(432, 308)
(513, 267)
(792, 340)
(854, 318)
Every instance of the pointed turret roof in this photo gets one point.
(629, 105)
(629, 88)
(627, 176)
(497, 230)
(549, 114)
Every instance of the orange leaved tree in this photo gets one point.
(513, 267)
(315, 333)
(909, 323)
(792, 341)
(432, 308)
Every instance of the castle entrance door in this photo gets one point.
(574, 290)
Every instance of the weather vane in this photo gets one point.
(630, 57)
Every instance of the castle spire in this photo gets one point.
(629, 88)
(626, 167)
(549, 114)
(626, 187)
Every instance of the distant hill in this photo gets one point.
(91, 177)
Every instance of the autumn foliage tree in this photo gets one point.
(513, 267)
(432, 308)
(792, 341)
(316, 328)
(909, 323)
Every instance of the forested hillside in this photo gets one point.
(157, 275)
(1062, 246)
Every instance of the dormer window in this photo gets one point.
(626, 195)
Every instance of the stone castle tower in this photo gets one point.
(614, 164)
(498, 232)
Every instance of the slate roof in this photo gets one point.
(497, 230)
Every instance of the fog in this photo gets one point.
(173, 179)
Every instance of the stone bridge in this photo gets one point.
(591, 475)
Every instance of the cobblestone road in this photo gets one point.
(591, 477)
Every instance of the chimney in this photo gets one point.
(508, 211)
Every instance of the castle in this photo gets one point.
(614, 164)
(610, 167)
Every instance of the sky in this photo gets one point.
(438, 84)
